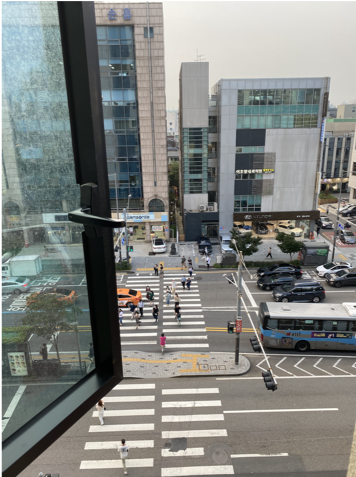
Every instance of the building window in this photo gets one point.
(213, 124)
(248, 175)
(156, 205)
(248, 150)
(211, 174)
(145, 32)
(247, 203)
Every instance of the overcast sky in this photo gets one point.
(263, 39)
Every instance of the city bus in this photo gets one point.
(304, 326)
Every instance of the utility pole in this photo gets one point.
(337, 217)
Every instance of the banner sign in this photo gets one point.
(324, 334)
(18, 365)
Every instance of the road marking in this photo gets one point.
(122, 427)
(191, 391)
(252, 411)
(282, 368)
(335, 366)
(128, 398)
(114, 464)
(198, 470)
(248, 293)
(193, 451)
(317, 367)
(166, 323)
(128, 412)
(116, 444)
(193, 433)
(239, 456)
(296, 366)
(12, 406)
(191, 403)
(134, 327)
(186, 345)
(186, 304)
(297, 377)
(125, 343)
(190, 330)
(193, 418)
(205, 337)
(132, 335)
(258, 365)
(305, 356)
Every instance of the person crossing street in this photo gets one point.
(155, 268)
(132, 309)
(140, 307)
(190, 271)
(124, 452)
(183, 263)
(188, 282)
(155, 313)
(183, 282)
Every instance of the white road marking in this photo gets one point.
(166, 323)
(190, 330)
(298, 377)
(12, 406)
(114, 464)
(122, 387)
(191, 403)
(132, 335)
(134, 327)
(317, 367)
(191, 391)
(127, 412)
(184, 316)
(335, 366)
(239, 456)
(125, 343)
(116, 444)
(205, 337)
(252, 411)
(193, 451)
(194, 418)
(189, 433)
(187, 345)
(296, 366)
(248, 293)
(197, 470)
(258, 365)
(128, 398)
(299, 355)
(281, 361)
(122, 427)
(184, 304)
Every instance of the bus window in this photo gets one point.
(352, 325)
(273, 324)
(285, 324)
(304, 325)
(329, 325)
(342, 325)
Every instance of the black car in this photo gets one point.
(273, 281)
(203, 238)
(351, 212)
(280, 268)
(325, 223)
(300, 290)
(205, 245)
(260, 228)
(342, 278)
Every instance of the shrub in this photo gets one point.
(123, 266)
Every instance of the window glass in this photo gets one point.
(316, 96)
(301, 96)
(113, 33)
(285, 324)
(329, 325)
(286, 96)
(308, 96)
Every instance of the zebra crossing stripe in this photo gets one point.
(193, 418)
(122, 427)
(127, 412)
(185, 316)
(205, 337)
(122, 387)
(115, 444)
(141, 328)
(193, 451)
(129, 398)
(189, 433)
(186, 345)
(190, 323)
(191, 330)
(181, 404)
(131, 335)
(114, 464)
(126, 343)
(186, 304)
(191, 391)
(197, 470)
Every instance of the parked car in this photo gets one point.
(300, 290)
(341, 278)
(205, 245)
(15, 285)
(280, 268)
(288, 229)
(347, 237)
(273, 281)
(242, 227)
(202, 238)
(260, 228)
(125, 296)
(345, 207)
(225, 240)
(63, 294)
(325, 223)
(332, 267)
(159, 245)
(350, 212)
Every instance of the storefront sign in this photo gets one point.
(322, 130)
(254, 171)
(18, 365)
(127, 14)
(112, 15)
(293, 215)
(157, 228)
(141, 217)
(14, 218)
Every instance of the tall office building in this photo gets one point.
(259, 139)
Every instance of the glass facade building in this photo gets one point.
(195, 160)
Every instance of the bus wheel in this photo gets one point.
(302, 346)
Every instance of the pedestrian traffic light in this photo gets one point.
(255, 345)
(230, 326)
(269, 380)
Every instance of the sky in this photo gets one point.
(263, 39)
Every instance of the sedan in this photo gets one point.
(288, 229)
(325, 223)
(350, 212)
(15, 285)
(159, 245)
(342, 278)
(272, 281)
(280, 268)
(63, 294)
(125, 296)
(347, 237)
(332, 267)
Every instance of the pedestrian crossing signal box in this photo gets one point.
(230, 326)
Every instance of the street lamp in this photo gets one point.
(337, 216)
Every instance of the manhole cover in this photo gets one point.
(220, 456)
(198, 278)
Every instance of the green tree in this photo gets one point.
(173, 174)
(47, 316)
(247, 243)
(288, 244)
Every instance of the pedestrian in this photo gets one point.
(177, 308)
(101, 408)
(347, 225)
(183, 263)
(147, 290)
(168, 289)
(121, 315)
(132, 309)
(189, 280)
(190, 270)
(173, 287)
(45, 250)
(162, 341)
(269, 254)
(327, 210)
(150, 296)
(176, 299)
(168, 298)
(183, 282)
(137, 317)
(155, 268)
(44, 352)
(190, 263)
(311, 235)
(208, 260)
(140, 307)
(161, 271)
(155, 312)
(91, 353)
(318, 230)
(124, 452)
(206, 251)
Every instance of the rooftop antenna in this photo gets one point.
(200, 57)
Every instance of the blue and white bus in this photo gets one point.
(304, 326)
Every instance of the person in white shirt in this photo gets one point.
(121, 315)
(208, 260)
(140, 307)
(100, 408)
(124, 452)
(173, 288)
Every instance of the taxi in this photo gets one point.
(125, 296)
(63, 294)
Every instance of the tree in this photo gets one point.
(288, 244)
(173, 174)
(46, 316)
(247, 243)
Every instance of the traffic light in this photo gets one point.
(255, 345)
(230, 326)
(269, 381)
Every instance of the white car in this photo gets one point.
(159, 245)
(345, 207)
(288, 229)
(332, 267)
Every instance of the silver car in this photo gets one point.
(15, 285)
(347, 237)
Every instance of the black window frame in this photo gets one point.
(81, 63)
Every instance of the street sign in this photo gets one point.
(123, 241)
(238, 325)
(341, 226)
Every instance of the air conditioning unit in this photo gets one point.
(211, 208)
(202, 207)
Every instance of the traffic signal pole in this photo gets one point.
(238, 315)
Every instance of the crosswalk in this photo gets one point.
(174, 449)
(191, 334)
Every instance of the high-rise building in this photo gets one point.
(346, 111)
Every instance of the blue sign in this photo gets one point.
(112, 15)
(341, 226)
(127, 14)
(322, 131)
(123, 241)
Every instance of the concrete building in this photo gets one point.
(172, 123)
(266, 135)
(346, 111)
